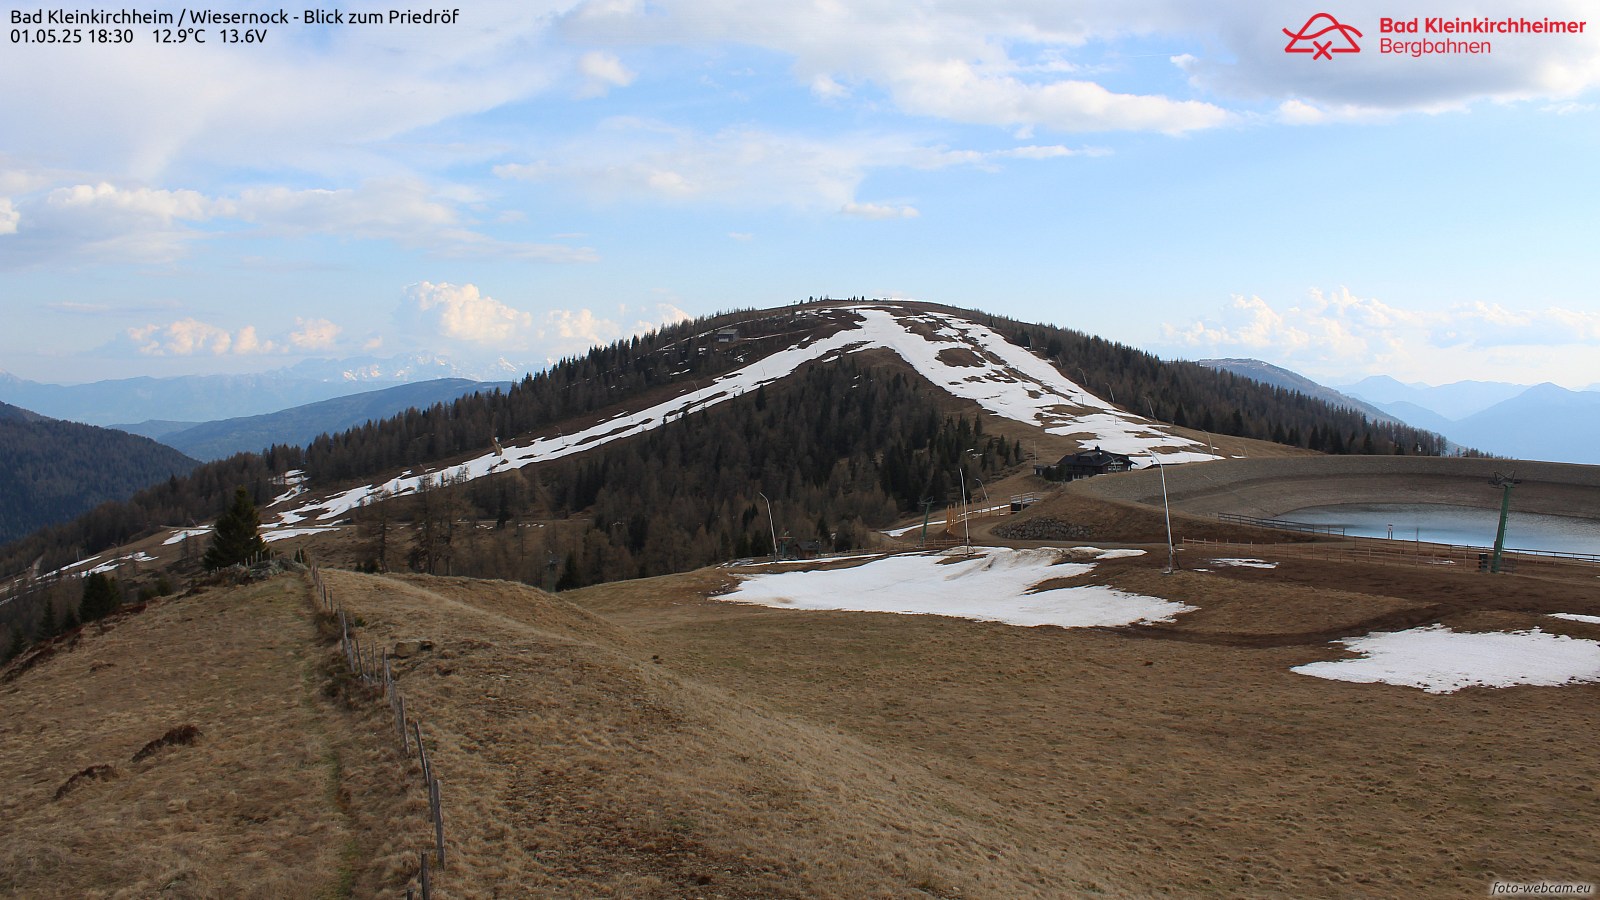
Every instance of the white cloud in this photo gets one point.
(958, 90)
(568, 332)
(825, 88)
(185, 337)
(406, 211)
(9, 217)
(602, 72)
(991, 63)
(248, 342)
(478, 323)
(462, 313)
(192, 337)
(104, 222)
(1342, 335)
(879, 211)
(314, 334)
(633, 158)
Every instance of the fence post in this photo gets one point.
(438, 818)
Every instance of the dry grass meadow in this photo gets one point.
(646, 740)
(260, 801)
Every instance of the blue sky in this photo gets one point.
(538, 177)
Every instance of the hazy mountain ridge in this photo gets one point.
(1453, 401)
(209, 398)
(1267, 373)
(1543, 421)
(1546, 421)
(300, 425)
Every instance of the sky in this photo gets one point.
(535, 177)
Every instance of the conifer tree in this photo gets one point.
(13, 646)
(235, 538)
(100, 597)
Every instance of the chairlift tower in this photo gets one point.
(1506, 482)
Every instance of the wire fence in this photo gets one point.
(1281, 524)
(372, 666)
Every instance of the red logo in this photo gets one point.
(1307, 41)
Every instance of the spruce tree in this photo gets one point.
(235, 538)
(101, 597)
(13, 646)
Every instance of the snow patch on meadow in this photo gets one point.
(1246, 562)
(1574, 617)
(179, 537)
(993, 585)
(286, 533)
(115, 564)
(1441, 661)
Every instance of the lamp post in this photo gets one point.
(1171, 554)
(975, 454)
(965, 524)
(771, 526)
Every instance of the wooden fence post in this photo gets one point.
(438, 818)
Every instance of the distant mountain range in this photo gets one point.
(1267, 373)
(52, 471)
(1454, 401)
(184, 401)
(1543, 421)
(301, 425)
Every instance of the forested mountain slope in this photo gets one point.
(52, 471)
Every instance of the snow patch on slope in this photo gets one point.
(1575, 617)
(1441, 661)
(994, 585)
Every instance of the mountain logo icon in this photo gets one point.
(1309, 39)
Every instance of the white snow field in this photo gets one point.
(1574, 617)
(993, 585)
(1246, 562)
(1125, 553)
(183, 534)
(1004, 379)
(279, 534)
(1441, 661)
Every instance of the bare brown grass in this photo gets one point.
(578, 765)
(1188, 760)
(238, 808)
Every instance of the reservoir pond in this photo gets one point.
(1440, 524)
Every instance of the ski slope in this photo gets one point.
(1002, 378)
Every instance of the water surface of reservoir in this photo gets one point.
(1440, 524)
